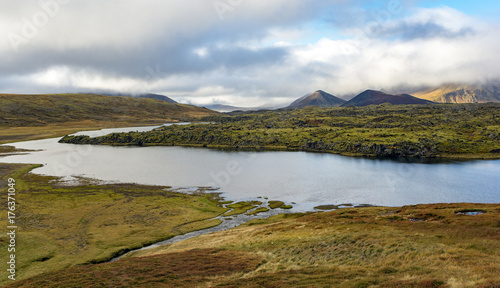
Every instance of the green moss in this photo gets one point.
(466, 131)
(257, 211)
(276, 204)
(241, 207)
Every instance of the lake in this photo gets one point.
(303, 178)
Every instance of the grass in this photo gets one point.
(349, 247)
(63, 226)
(183, 269)
(241, 207)
(372, 247)
(257, 211)
(461, 131)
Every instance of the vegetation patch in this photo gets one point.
(276, 204)
(257, 211)
(462, 131)
(326, 207)
(241, 207)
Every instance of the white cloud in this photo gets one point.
(259, 53)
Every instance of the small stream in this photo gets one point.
(227, 223)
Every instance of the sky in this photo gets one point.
(245, 52)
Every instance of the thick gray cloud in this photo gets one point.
(242, 52)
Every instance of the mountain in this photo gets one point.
(157, 97)
(372, 97)
(461, 93)
(317, 98)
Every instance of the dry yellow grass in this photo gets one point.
(415, 246)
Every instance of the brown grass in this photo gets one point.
(410, 246)
(182, 269)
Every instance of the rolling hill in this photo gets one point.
(318, 98)
(38, 110)
(461, 93)
(372, 97)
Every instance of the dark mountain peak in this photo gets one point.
(374, 97)
(317, 98)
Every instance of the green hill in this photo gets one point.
(26, 117)
(36, 110)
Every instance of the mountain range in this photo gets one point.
(446, 93)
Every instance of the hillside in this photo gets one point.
(29, 117)
(157, 97)
(318, 98)
(39, 110)
(461, 93)
(372, 97)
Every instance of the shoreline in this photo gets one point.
(444, 157)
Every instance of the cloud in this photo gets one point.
(257, 52)
(443, 22)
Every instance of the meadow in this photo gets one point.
(436, 245)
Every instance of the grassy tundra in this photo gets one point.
(434, 245)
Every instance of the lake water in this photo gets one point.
(306, 179)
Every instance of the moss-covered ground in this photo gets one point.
(465, 131)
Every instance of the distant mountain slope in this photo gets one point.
(226, 108)
(317, 98)
(39, 110)
(372, 97)
(230, 108)
(461, 93)
(157, 97)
